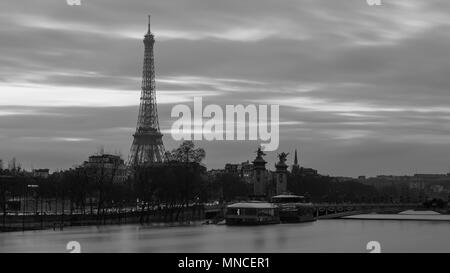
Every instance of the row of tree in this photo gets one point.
(180, 183)
(325, 189)
(93, 188)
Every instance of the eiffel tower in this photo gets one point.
(148, 147)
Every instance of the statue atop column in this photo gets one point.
(259, 153)
(281, 174)
(283, 157)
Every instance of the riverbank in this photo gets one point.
(409, 215)
(175, 216)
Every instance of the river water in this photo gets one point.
(339, 235)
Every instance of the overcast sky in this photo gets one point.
(363, 90)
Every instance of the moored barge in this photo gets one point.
(294, 208)
(252, 213)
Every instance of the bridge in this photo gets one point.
(331, 211)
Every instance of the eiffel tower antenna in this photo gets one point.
(147, 147)
(148, 23)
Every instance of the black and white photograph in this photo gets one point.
(224, 126)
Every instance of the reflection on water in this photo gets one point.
(320, 236)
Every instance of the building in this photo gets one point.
(214, 173)
(107, 166)
(344, 179)
(41, 173)
(243, 170)
(308, 172)
(246, 171)
(296, 169)
(232, 168)
(416, 188)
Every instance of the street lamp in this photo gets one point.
(29, 186)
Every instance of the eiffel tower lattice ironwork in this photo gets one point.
(147, 147)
